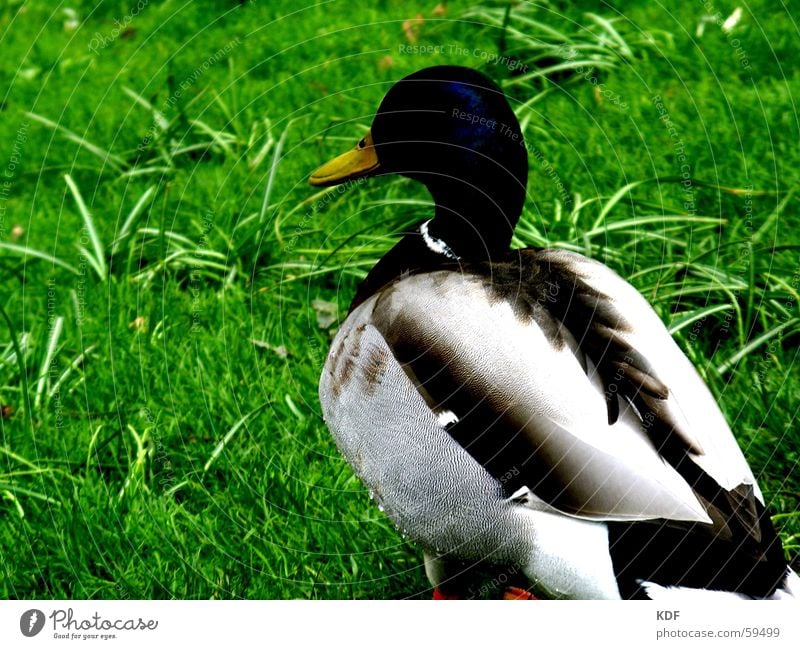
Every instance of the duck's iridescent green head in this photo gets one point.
(452, 129)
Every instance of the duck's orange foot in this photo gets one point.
(438, 594)
(512, 592)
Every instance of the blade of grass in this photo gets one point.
(23, 370)
(229, 435)
(76, 362)
(28, 492)
(256, 160)
(276, 158)
(91, 260)
(725, 367)
(99, 256)
(25, 251)
(7, 495)
(44, 368)
(220, 138)
(657, 218)
(612, 202)
(158, 117)
(19, 458)
(613, 33)
(770, 220)
(127, 226)
(108, 158)
(683, 320)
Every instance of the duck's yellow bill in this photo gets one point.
(355, 163)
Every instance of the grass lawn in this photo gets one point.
(171, 283)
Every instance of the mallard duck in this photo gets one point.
(525, 413)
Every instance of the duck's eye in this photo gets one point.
(362, 143)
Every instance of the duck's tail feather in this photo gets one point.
(789, 589)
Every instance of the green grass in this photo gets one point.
(169, 279)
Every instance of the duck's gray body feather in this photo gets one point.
(445, 397)
(432, 489)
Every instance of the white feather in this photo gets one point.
(690, 399)
(446, 418)
(436, 245)
(615, 471)
(685, 595)
(789, 590)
